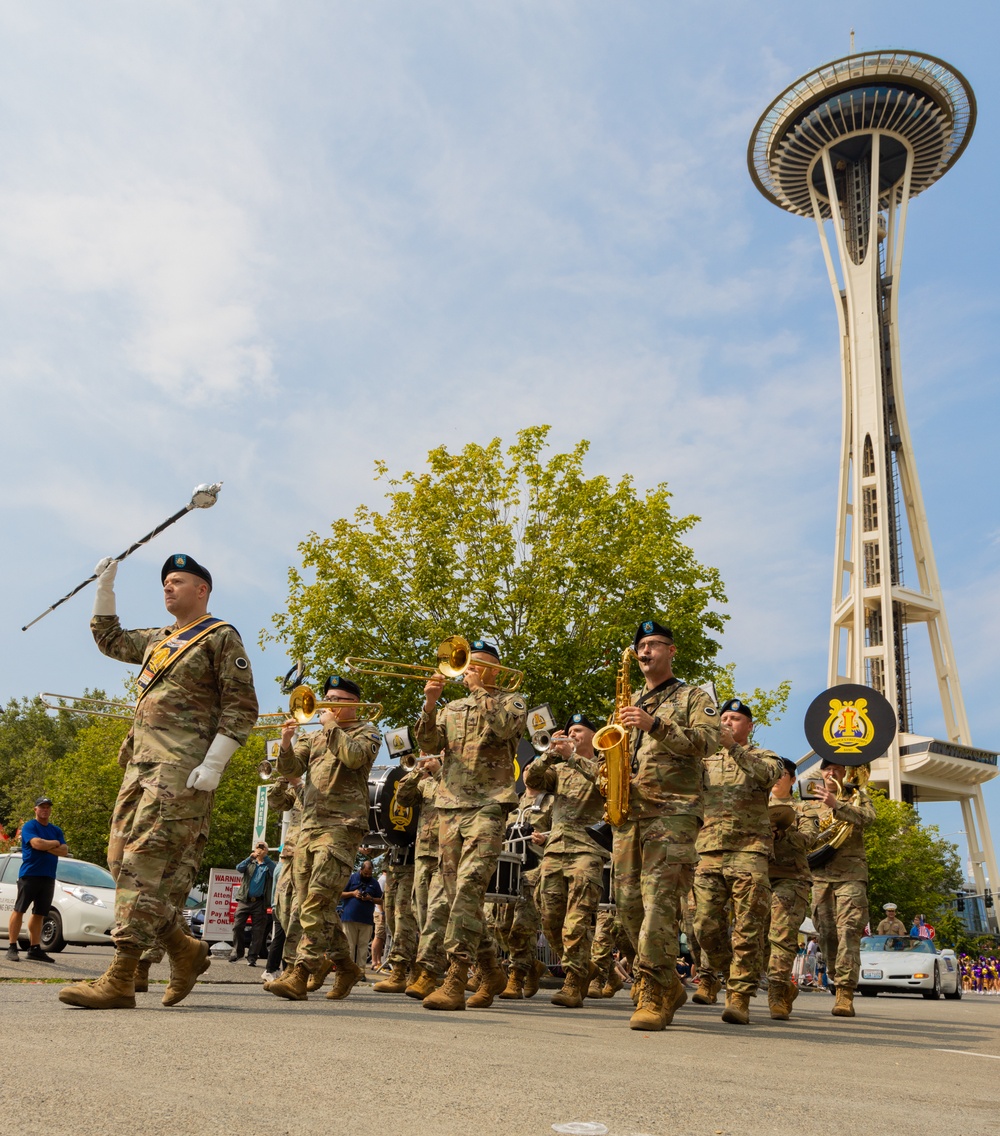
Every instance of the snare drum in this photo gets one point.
(505, 885)
(389, 821)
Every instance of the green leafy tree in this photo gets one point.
(767, 705)
(556, 567)
(31, 740)
(909, 864)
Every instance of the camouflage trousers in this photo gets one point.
(653, 858)
(609, 936)
(569, 890)
(840, 912)
(789, 904)
(739, 878)
(320, 870)
(159, 830)
(516, 925)
(399, 916)
(470, 841)
(431, 908)
(284, 893)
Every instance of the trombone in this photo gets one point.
(454, 658)
(303, 706)
(125, 711)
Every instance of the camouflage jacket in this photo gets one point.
(478, 735)
(576, 802)
(334, 764)
(207, 691)
(737, 784)
(669, 759)
(285, 798)
(849, 863)
(788, 860)
(419, 788)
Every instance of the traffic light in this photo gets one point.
(988, 897)
(960, 904)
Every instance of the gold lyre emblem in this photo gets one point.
(399, 817)
(848, 728)
(158, 658)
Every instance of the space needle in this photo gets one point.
(850, 144)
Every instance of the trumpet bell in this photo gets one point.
(453, 656)
(265, 771)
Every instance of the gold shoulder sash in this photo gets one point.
(165, 654)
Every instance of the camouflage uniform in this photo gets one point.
(285, 798)
(478, 736)
(892, 926)
(840, 893)
(334, 763)
(654, 851)
(398, 907)
(733, 847)
(159, 827)
(516, 925)
(570, 882)
(430, 902)
(788, 870)
(609, 936)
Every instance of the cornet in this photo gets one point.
(303, 707)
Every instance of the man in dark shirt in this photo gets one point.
(358, 916)
(252, 900)
(42, 844)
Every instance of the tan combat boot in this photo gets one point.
(318, 976)
(346, 978)
(395, 983)
(651, 1009)
(737, 1011)
(114, 990)
(515, 984)
(492, 981)
(288, 968)
(531, 980)
(844, 1005)
(425, 983)
(596, 987)
(613, 984)
(779, 1001)
(188, 958)
(472, 982)
(451, 995)
(292, 984)
(636, 990)
(142, 976)
(412, 974)
(572, 994)
(707, 993)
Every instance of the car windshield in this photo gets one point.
(897, 943)
(84, 874)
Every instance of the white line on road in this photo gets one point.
(967, 1053)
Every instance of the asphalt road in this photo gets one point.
(233, 1057)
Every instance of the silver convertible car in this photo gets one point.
(896, 964)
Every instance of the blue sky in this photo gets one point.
(270, 244)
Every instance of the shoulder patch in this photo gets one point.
(519, 704)
(711, 711)
(374, 747)
(242, 663)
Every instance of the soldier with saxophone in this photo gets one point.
(478, 736)
(794, 829)
(572, 867)
(673, 727)
(840, 881)
(733, 847)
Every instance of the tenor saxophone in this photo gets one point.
(612, 744)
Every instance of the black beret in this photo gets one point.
(790, 766)
(737, 707)
(481, 647)
(181, 562)
(651, 627)
(336, 682)
(579, 720)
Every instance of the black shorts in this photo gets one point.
(37, 890)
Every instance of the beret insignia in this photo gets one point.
(647, 626)
(180, 561)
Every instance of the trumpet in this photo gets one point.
(125, 711)
(454, 658)
(303, 706)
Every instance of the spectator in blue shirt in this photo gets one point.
(42, 844)
(358, 915)
(252, 901)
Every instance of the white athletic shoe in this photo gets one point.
(269, 976)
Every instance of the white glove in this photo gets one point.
(104, 600)
(206, 776)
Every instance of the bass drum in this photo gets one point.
(387, 819)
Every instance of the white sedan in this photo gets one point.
(892, 964)
(83, 904)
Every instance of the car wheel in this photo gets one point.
(958, 989)
(935, 992)
(52, 938)
(867, 992)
